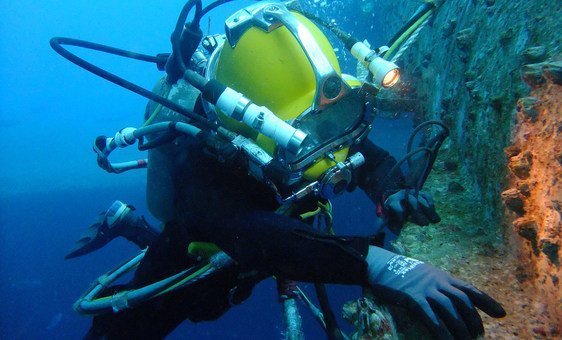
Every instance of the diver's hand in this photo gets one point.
(446, 305)
(406, 205)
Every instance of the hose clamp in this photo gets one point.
(125, 137)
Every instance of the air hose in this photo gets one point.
(89, 303)
(332, 330)
(57, 45)
(434, 143)
(185, 40)
(104, 146)
(407, 34)
(422, 11)
(431, 150)
(165, 132)
(187, 36)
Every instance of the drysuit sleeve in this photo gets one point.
(374, 177)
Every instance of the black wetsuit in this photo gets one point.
(238, 214)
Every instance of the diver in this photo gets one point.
(292, 133)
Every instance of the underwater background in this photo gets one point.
(490, 69)
(52, 189)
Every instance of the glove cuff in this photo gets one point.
(377, 258)
(381, 263)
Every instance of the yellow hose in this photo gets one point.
(197, 273)
(406, 35)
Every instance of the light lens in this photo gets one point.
(391, 78)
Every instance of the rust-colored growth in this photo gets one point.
(527, 228)
(521, 164)
(512, 151)
(535, 190)
(528, 108)
(513, 200)
(550, 248)
(524, 188)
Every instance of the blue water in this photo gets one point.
(51, 188)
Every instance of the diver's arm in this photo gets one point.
(286, 247)
(373, 177)
(395, 202)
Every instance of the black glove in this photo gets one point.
(406, 205)
(446, 305)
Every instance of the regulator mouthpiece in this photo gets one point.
(385, 73)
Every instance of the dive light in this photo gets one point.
(385, 73)
(235, 105)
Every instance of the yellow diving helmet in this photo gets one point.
(281, 60)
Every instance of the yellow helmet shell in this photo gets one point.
(272, 69)
(280, 66)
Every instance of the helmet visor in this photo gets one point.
(333, 122)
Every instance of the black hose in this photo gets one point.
(57, 42)
(435, 143)
(186, 38)
(196, 80)
(209, 8)
(421, 126)
(116, 51)
(397, 166)
(332, 330)
(157, 141)
(180, 23)
(426, 7)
